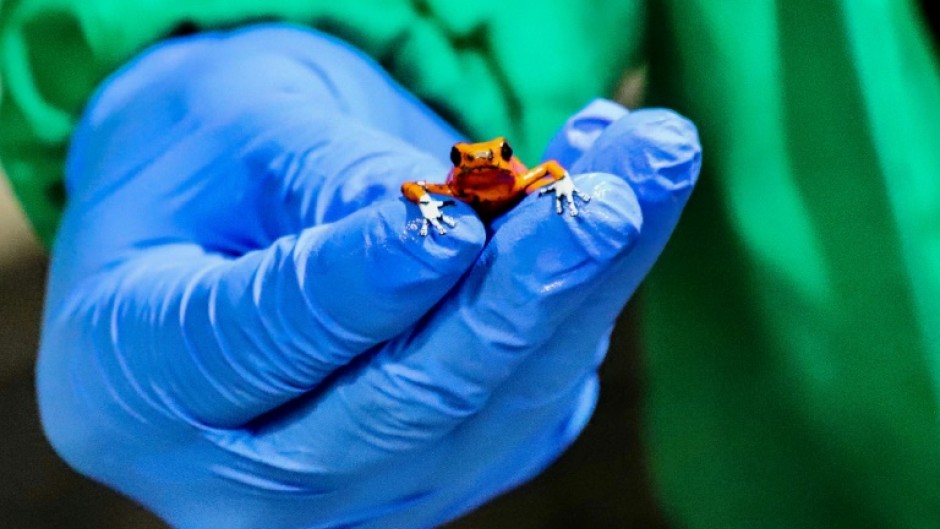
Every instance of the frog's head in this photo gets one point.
(495, 154)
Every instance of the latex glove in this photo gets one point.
(244, 327)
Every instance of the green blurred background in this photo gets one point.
(601, 483)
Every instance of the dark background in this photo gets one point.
(600, 483)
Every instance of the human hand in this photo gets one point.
(244, 327)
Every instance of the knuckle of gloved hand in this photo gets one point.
(327, 62)
(274, 77)
(86, 420)
(513, 333)
(411, 407)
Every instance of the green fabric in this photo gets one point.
(471, 61)
(793, 325)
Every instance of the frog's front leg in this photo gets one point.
(431, 213)
(552, 177)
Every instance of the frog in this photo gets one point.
(492, 180)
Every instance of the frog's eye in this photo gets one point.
(506, 151)
(455, 156)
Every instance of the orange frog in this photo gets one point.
(487, 176)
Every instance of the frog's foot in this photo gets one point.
(432, 216)
(565, 191)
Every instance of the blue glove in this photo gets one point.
(244, 328)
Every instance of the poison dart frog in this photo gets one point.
(487, 176)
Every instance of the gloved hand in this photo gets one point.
(244, 329)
